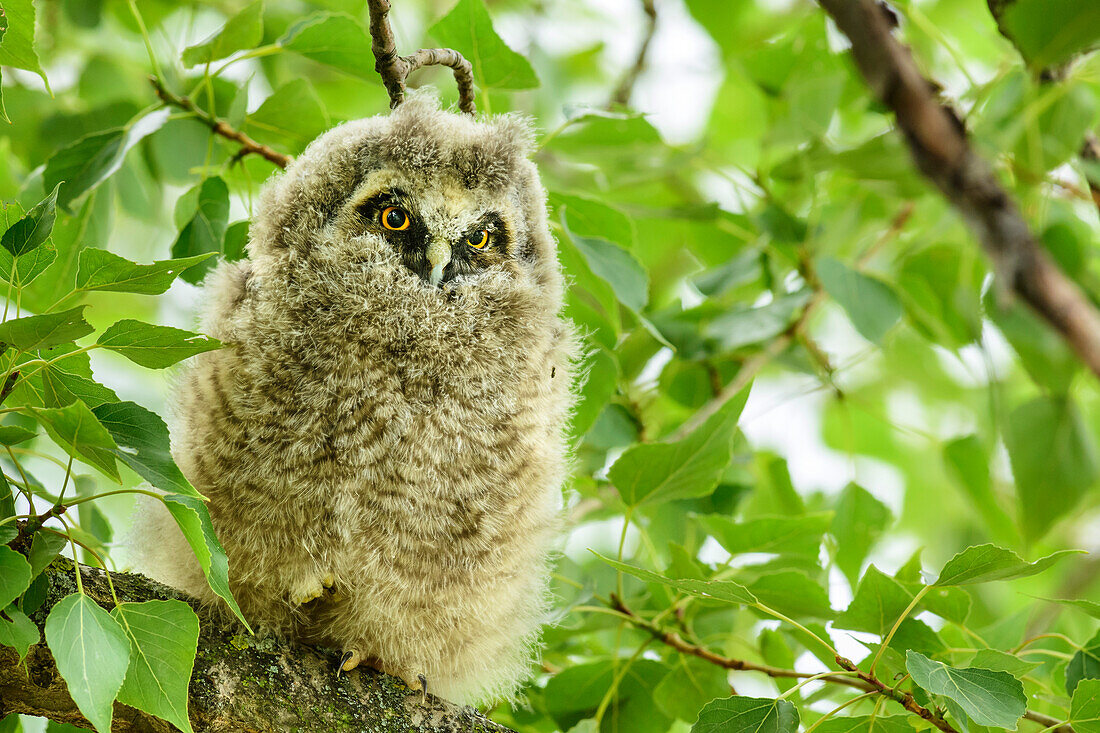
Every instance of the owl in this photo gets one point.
(383, 438)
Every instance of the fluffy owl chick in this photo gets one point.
(382, 442)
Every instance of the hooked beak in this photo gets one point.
(439, 255)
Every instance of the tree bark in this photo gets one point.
(240, 683)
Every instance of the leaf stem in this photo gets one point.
(897, 624)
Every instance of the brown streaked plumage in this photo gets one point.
(401, 442)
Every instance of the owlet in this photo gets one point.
(382, 440)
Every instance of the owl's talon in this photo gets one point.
(423, 689)
(348, 662)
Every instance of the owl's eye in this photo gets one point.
(478, 239)
(395, 218)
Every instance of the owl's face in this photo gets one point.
(421, 224)
(439, 234)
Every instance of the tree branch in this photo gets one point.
(864, 681)
(625, 88)
(395, 69)
(240, 683)
(939, 146)
(220, 127)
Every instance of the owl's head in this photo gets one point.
(450, 198)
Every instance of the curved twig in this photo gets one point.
(395, 69)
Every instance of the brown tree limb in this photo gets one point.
(625, 89)
(240, 683)
(220, 127)
(864, 682)
(939, 146)
(395, 69)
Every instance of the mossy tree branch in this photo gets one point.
(240, 683)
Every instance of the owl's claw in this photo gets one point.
(423, 689)
(348, 662)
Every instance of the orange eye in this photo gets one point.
(395, 219)
(479, 239)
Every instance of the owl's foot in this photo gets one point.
(349, 661)
(423, 689)
(308, 592)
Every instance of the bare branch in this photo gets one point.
(395, 69)
(939, 146)
(625, 89)
(220, 127)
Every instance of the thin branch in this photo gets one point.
(395, 69)
(220, 127)
(905, 698)
(625, 88)
(940, 148)
(1091, 151)
(862, 681)
(749, 369)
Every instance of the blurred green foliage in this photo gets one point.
(751, 214)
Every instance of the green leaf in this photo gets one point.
(988, 697)
(15, 575)
(164, 637)
(1092, 608)
(103, 270)
(1054, 461)
(985, 563)
(718, 590)
(77, 430)
(866, 724)
(747, 715)
(798, 536)
(792, 593)
(292, 113)
(194, 521)
(45, 546)
(1002, 662)
(968, 462)
(71, 379)
(614, 265)
(236, 238)
(870, 303)
(17, 50)
(154, 347)
(25, 269)
(92, 159)
(18, 631)
(335, 39)
(1084, 712)
(1051, 32)
(745, 326)
(204, 232)
(469, 30)
(1084, 665)
(13, 434)
(243, 31)
(92, 653)
(688, 686)
(33, 229)
(650, 473)
(877, 604)
(1042, 350)
(143, 445)
(591, 217)
(859, 521)
(41, 332)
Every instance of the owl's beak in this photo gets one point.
(439, 255)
